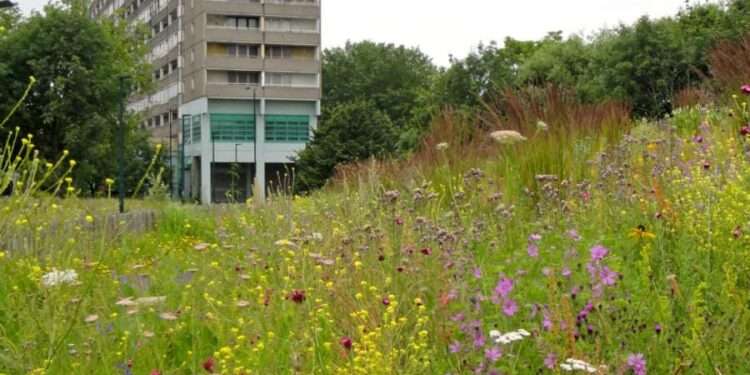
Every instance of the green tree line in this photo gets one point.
(644, 64)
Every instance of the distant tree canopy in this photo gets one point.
(77, 63)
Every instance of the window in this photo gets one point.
(234, 50)
(157, 121)
(292, 24)
(157, 74)
(234, 22)
(230, 127)
(173, 65)
(196, 129)
(242, 77)
(292, 79)
(278, 52)
(287, 128)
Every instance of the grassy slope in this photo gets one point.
(406, 267)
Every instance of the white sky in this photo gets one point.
(441, 27)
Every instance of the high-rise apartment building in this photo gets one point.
(237, 88)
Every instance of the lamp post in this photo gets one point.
(255, 138)
(124, 91)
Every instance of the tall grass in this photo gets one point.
(730, 64)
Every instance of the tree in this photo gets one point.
(396, 79)
(349, 132)
(77, 62)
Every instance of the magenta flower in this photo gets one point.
(546, 322)
(566, 272)
(454, 347)
(479, 340)
(510, 307)
(573, 235)
(598, 253)
(504, 287)
(608, 276)
(745, 89)
(745, 130)
(478, 273)
(535, 237)
(533, 250)
(493, 354)
(637, 363)
(550, 361)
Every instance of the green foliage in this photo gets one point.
(77, 63)
(396, 79)
(349, 132)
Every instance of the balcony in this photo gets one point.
(226, 62)
(233, 35)
(293, 38)
(292, 65)
(293, 9)
(233, 7)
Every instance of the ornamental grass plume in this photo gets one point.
(507, 137)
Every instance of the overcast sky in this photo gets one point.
(442, 28)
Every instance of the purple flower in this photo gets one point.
(546, 322)
(454, 347)
(458, 317)
(573, 235)
(504, 287)
(657, 328)
(598, 253)
(479, 340)
(533, 250)
(493, 354)
(550, 361)
(478, 273)
(608, 276)
(637, 363)
(535, 237)
(510, 307)
(566, 272)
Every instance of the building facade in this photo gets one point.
(237, 89)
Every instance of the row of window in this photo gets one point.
(161, 120)
(253, 50)
(165, 70)
(271, 24)
(271, 79)
(165, 22)
(228, 127)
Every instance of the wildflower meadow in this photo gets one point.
(579, 243)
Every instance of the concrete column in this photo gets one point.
(206, 158)
(260, 164)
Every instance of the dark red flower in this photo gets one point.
(399, 221)
(346, 342)
(745, 89)
(155, 372)
(426, 251)
(745, 130)
(386, 301)
(208, 365)
(297, 296)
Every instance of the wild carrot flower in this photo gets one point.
(637, 363)
(507, 137)
(56, 277)
(507, 338)
(572, 364)
(442, 146)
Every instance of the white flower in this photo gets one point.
(509, 337)
(442, 146)
(59, 277)
(317, 236)
(507, 137)
(572, 364)
(542, 126)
